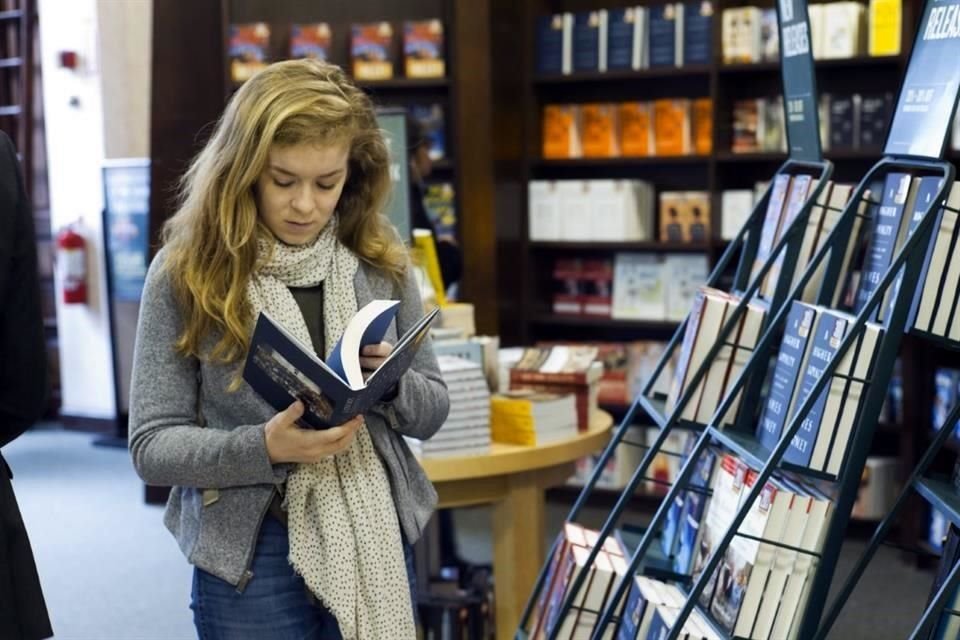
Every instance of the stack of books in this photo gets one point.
(711, 308)
(656, 287)
(467, 428)
(591, 210)
(685, 217)
(561, 370)
(664, 127)
(532, 418)
(629, 38)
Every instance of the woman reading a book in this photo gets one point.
(294, 533)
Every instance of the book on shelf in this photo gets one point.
(685, 273)
(532, 418)
(746, 116)
(663, 31)
(947, 626)
(561, 369)
(371, 51)
(751, 325)
(626, 32)
(685, 217)
(561, 131)
(554, 44)
(736, 205)
(845, 30)
(248, 50)
(664, 468)
(884, 19)
(589, 41)
(635, 121)
(440, 202)
(702, 125)
(645, 596)
(423, 49)
(692, 510)
(597, 288)
(741, 29)
(311, 41)
(567, 296)
(769, 36)
(639, 289)
(431, 118)
(844, 121)
(879, 486)
(590, 210)
(697, 32)
(281, 369)
(669, 534)
(839, 197)
(798, 195)
(875, 113)
(810, 234)
(771, 223)
(671, 126)
(926, 191)
(424, 254)
(598, 130)
(816, 14)
(932, 293)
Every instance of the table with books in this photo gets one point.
(513, 479)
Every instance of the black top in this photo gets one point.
(310, 301)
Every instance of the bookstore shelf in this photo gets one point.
(830, 63)
(942, 496)
(651, 246)
(749, 450)
(604, 322)
(656, 73)
(623, 161)
(729, 157)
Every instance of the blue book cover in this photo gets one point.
(659, 625)
(841, 114)
(785, 373)
(431, 118)
(926, 192)
(668, 537)
(831, 328)
(586, 41)
(281, 370)
(620, 26)
(883, 240)
(799, 82)
(550, 44)
(697, 32)
(928, 94)
(663, 35)
(632, 613)
(694, 506)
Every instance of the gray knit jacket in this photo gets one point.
(189, 432)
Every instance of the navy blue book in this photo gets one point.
(697, 32)
(586, 41)
(843, 132)
(550, 44)
(663, 35)
(831, 328)
(632, 613)
(694, 506)
(875, 112)
(282, 369)
(796, 335)
(883, 240)
(668, 537)
(620, 27)
(926, 192)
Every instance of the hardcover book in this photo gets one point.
(554, 44)
(310, 41)
(423, 49)
(586, 41)
(621, 38)
(282, 369)
(697, 32)
(371, 51)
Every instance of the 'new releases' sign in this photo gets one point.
(929, 92)
(799, 85)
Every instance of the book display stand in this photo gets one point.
(914, 145)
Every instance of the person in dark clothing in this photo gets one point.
(448, 253)
(23, 383)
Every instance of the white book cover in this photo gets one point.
(716, 378)
(678, 35)
(938, 261)
(736, 205)
(711, 321)
(567, 43)
(948, 296)
(574, 206)
(839, 196)
(639, 60)
(685, 273)
(843, 29)
(797, 591)
(639, 287)
(544, 210)
(763, 557)
(863, 370)
(783, 562)
(809, 242)
(753, 319)
(602, 29)
(853, 243)
(815, 14)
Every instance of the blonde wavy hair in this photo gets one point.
(211, 241)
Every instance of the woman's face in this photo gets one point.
(298, 190)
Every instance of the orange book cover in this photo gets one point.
(560, 131)
(671, 127)
(371, 47)
(635, 129)
(702, 126)
(599, 130)
(423, 49)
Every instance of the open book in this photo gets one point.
(282, 369)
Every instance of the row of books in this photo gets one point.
(684, 217)
(757, 125)
(431, 118)
(532, 418)
(371, 48)
(837, 30)
(662, 472)
(664, 127)
(601, 210)
(629, 38)
(946, 394)
(634, 286)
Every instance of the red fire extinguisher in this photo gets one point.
(72, 263)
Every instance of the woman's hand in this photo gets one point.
(286, 442)
(372, 356)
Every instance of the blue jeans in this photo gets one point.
(275, 604)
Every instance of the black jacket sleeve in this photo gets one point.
(23, 375)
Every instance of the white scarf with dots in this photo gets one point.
(343, 527)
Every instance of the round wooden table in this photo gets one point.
(513, 479)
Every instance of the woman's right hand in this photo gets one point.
(286, 442)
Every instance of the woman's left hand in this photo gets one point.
(372, 356)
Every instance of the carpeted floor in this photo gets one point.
(112, 572)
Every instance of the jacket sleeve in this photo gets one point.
(23, 371)
(421, 404)
(167, 442)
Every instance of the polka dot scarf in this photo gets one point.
(343, 527)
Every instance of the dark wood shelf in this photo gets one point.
(631, 161)
(832, 63)
(601, 322)
(656, 73)
(444, 165)
(649, 246)
(396, 84)
(729, 157)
